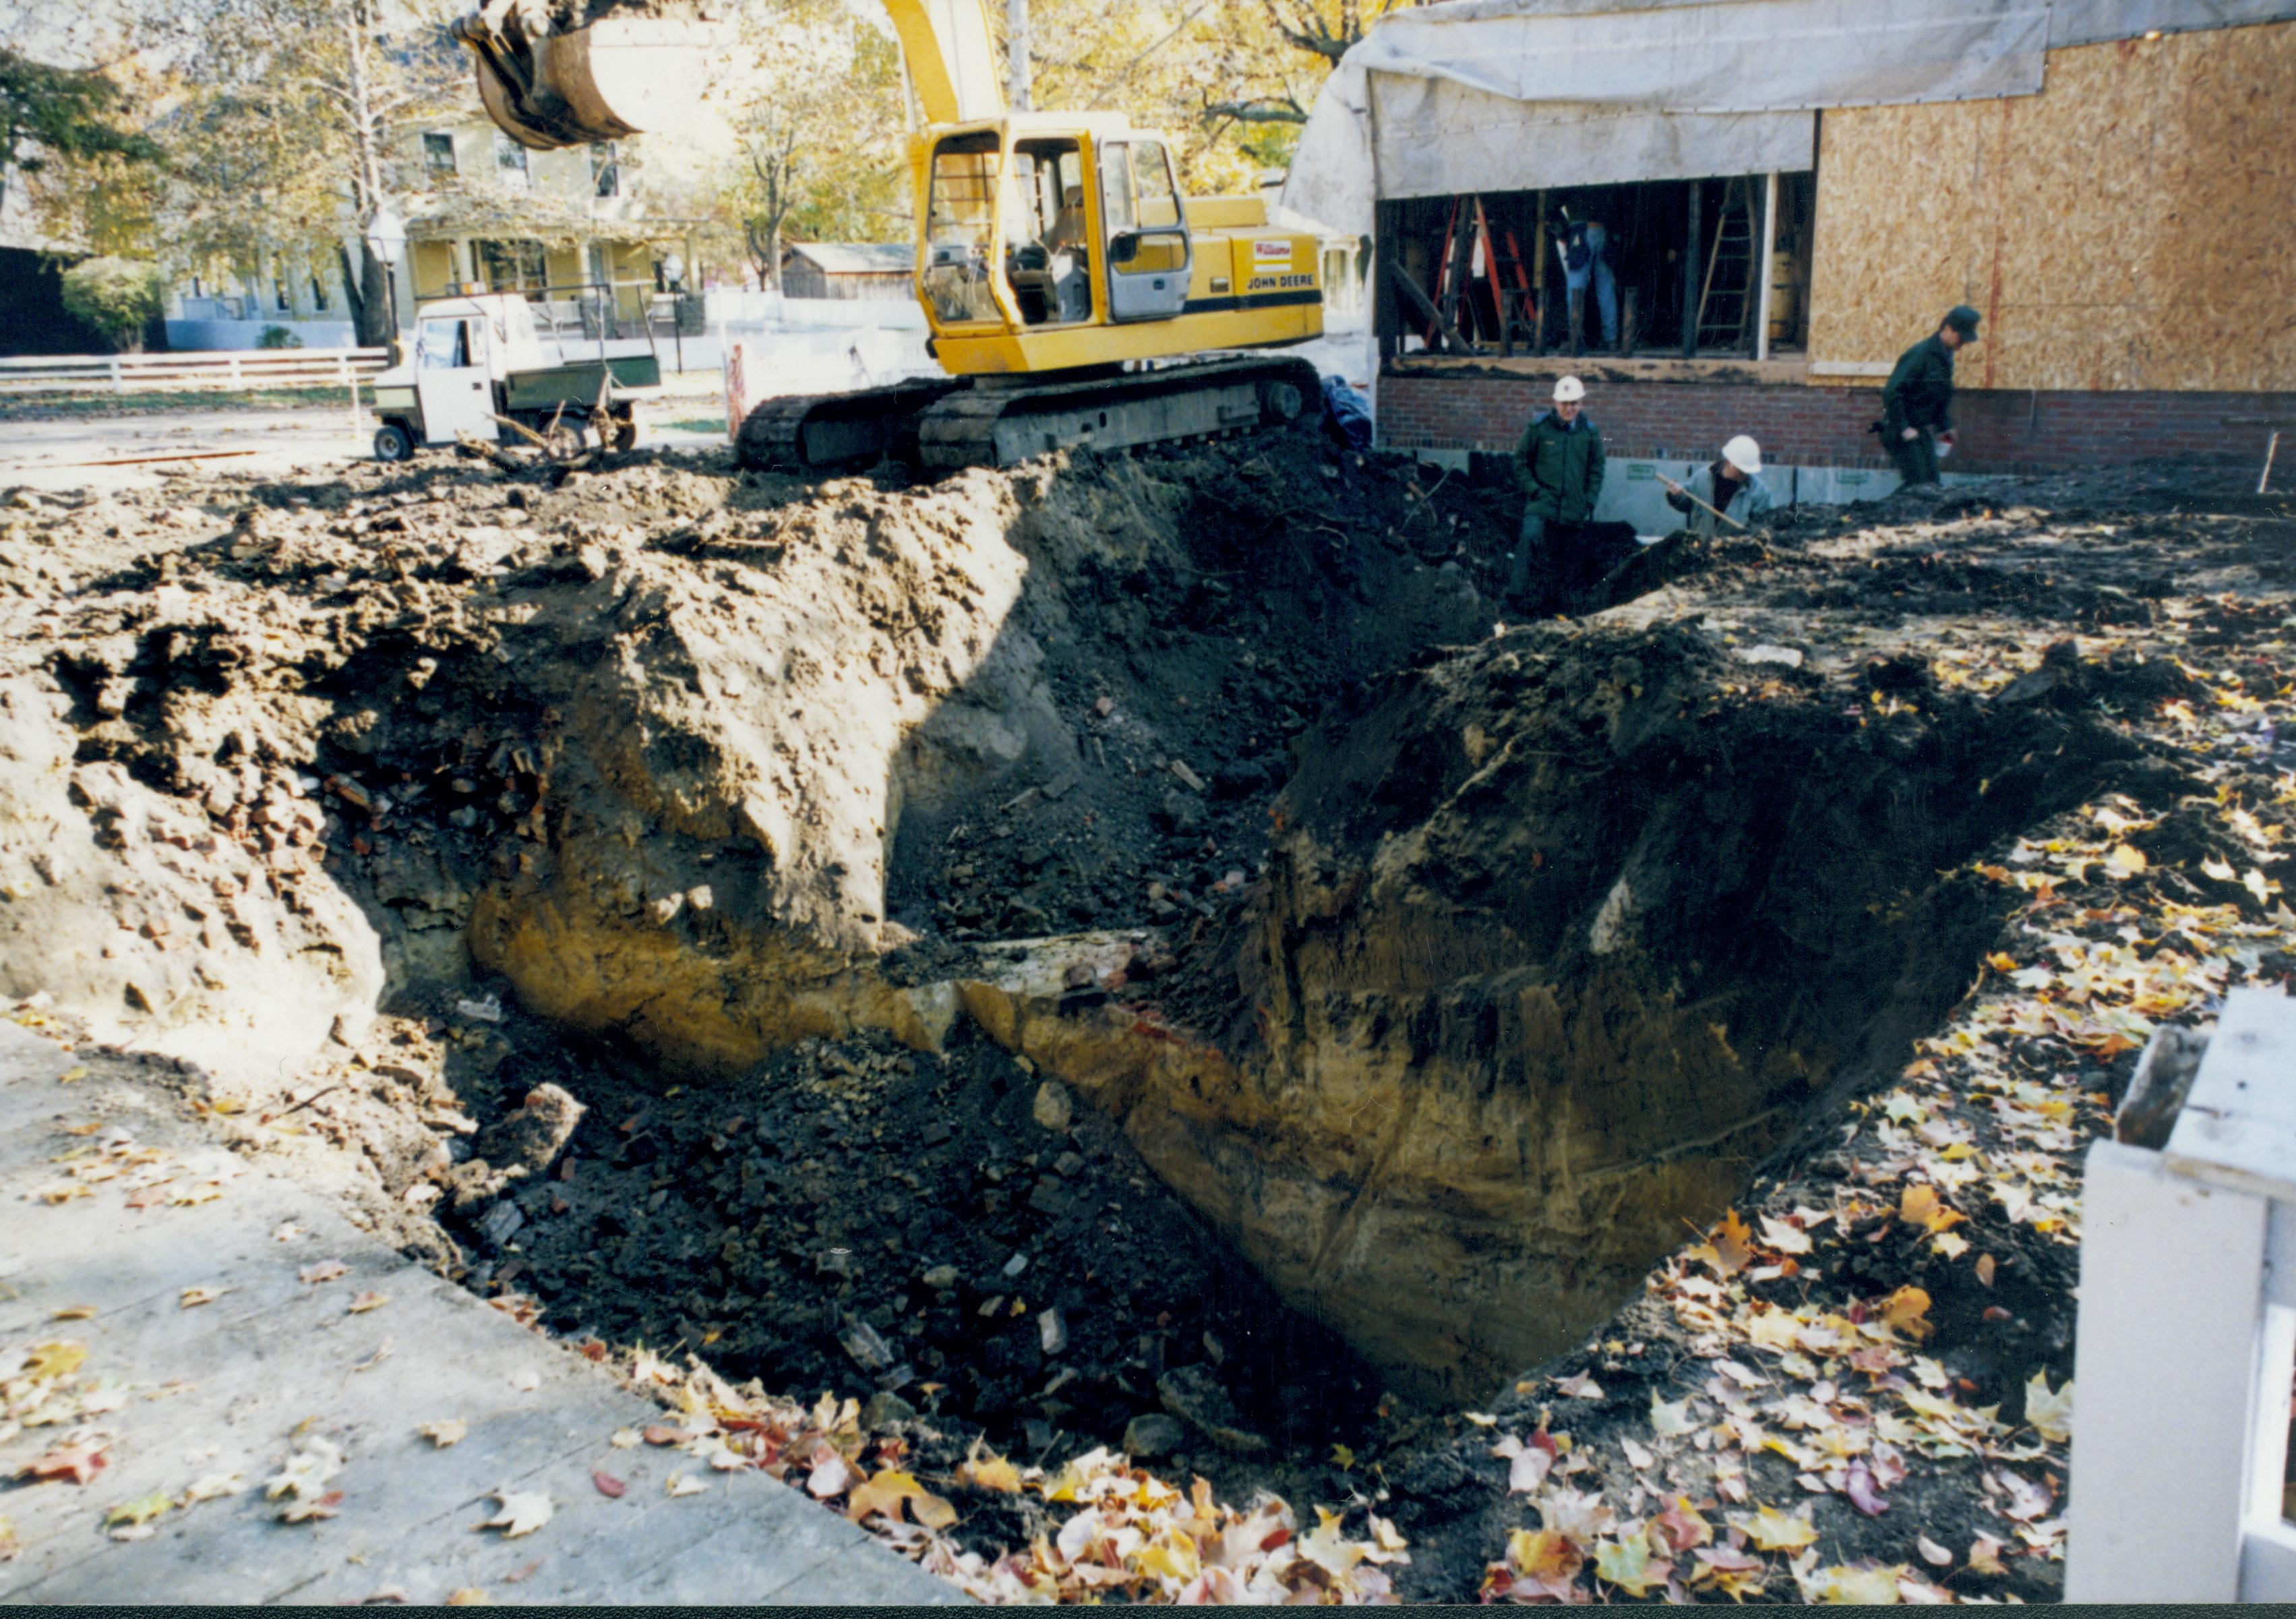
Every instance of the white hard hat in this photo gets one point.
(1743, 453)
(1568, 390)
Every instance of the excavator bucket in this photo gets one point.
(603, 81)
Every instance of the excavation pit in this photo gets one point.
(1166, 874)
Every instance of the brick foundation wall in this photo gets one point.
(1811, 425)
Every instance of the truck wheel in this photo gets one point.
(626, 432)
(393, 442)
(564, 441)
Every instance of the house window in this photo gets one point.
(513, 266)
(509, 162)
(605, 169)
(438, 155)
(279, 293)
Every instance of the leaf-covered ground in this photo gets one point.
(1856, 1387)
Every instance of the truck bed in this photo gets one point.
(578, 382)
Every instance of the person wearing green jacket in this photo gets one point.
(1559, 464)
(1917, 401)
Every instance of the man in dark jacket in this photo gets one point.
(1559, 464)
(1917, 401)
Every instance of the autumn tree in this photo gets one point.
(812, 96)
(51, 114)
(1284, 51)
(289, 131)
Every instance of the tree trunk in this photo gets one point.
(377, 319)
(354, 299)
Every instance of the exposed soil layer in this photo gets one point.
(1165, 872)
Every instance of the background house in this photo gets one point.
(494, 214)
(1793, 204)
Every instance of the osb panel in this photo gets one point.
(2129, 228)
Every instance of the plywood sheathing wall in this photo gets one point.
(2133, 226)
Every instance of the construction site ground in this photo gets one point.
(935, 989)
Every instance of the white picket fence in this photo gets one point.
(245, 368)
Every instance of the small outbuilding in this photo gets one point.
(849, 269)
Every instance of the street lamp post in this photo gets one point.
(386, 238)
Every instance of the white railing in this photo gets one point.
(2187, 1337)
(243, 368)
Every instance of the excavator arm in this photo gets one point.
(565, 72)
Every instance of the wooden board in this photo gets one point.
(2238, 1128)
(2127, 228)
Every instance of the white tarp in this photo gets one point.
(1514, 95)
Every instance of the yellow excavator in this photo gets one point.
(1076, 297)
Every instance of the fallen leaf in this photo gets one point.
(1985, 1556)
(323, 1270)
(446, 1431)
(1731, 1243)
(1637, 1453)
(1985, 1268)
(318, 1507)
(212, 1487)
(1670, 1420)
(524, 1571)
(522, 1513)
(77, 1463)
(2051, 1415)
(625, 1439)
(1628, 1565)
(58, 1358)
(1856, 1584)
(366, 1302)
(885, 1493)
(73, 1312)
(1863, 1493)
(305, 1478)
(1906, 1311)
(190, 1298)
(1682, 1526)
(2026, 1499)
(1783, 1237)
(993, 1473)
(1526, 1465)
(2126, 861)
(1579, 1385)
(468, 1596)
(609, 1486)
(9, 1544)
(130, 1517)
(679, 1484)
(1932, 1552)
(1771, 1530)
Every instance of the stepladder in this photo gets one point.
(2187, 1338)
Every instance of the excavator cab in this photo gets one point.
(1035, 224)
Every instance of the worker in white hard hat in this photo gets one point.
(1559, 464)
(1727, 496)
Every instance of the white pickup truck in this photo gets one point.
(476, 361)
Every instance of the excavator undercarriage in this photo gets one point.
(940, 424)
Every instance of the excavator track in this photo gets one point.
(997, 421)
(815, 432)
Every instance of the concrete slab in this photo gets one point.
(234, 1386)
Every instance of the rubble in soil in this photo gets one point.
(1438, 971)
